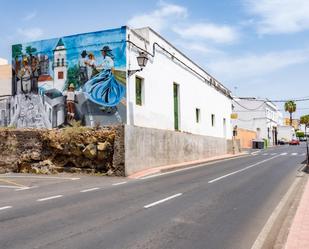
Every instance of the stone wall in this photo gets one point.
(147, 147)
(73, 149)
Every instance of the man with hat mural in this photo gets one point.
(104, 89)
(70, 94)
(25, 76)
(83, 76)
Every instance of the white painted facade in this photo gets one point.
(60, 67)
(286, 132)
(258, 115)
(197, 90)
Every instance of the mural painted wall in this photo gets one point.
(80, 77)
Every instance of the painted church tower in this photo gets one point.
(60, 66)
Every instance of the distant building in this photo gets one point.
(286, 133)
(5, 91)
(5, 79)
(261, 116)
(295, 123)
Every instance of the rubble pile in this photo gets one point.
(71, 149)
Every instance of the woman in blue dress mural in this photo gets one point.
(104, 89)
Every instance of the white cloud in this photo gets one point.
(30, 16)
(159, 18)
(257, 65)
(31, 33)
(209, 31)
(279, 16)
(195, 46)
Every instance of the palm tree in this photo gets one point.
(290, 106)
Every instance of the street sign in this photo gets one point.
(234, 116)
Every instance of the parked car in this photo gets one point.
(282, 141)
(294, 142)
(302, 139)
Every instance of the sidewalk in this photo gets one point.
(171, 167)
(298, 237)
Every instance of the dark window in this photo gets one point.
(197, 115)
(176, 106)
(138, 91)
(213, 120)
(58, 62)
(62, 61)
(60, 75)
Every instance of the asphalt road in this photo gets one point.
(223, 205)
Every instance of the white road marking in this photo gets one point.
(255, 153)
(88, 190)
(272, 154)
(41, 177)
(8, 186)
(5, 207)
(238, 171)
(199, 165)
(283, 154)
(265, 154)
(294, 154)
(118, 183)
(25, 188)
(163, 200)
(50, 198)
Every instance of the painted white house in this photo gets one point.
(172, 92)
(60, 66)
(258, 115)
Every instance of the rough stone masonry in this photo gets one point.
(72, 149)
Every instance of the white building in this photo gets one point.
(258, 115)
(172, 92)
(60, 66)
(286, 133)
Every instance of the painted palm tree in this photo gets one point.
(290, 106)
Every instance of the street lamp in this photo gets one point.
(142, 60)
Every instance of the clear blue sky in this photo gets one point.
(255, 48)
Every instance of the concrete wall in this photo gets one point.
(146, 147)
(159, 75)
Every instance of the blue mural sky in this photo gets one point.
(90, 42)
(255, 48)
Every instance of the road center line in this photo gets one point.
(50, 198)
(163, 200)
(88, 190)
(8, 186)
(238, 171)
(199, 165)
(5, 207)
(118, 183)
(283, 154)
(25, 188)
(42, 177)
